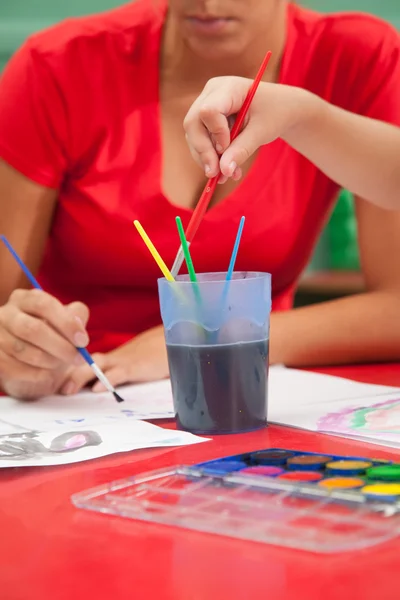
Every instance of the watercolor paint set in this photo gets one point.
(374, 479)
(308, 501)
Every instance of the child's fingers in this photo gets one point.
(207, 124)
(217, 125)
(238, 153)
(237, 174)
(202, 149)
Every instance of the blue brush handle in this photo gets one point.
(235, 250)
(85, 354)
(82, 351)
(23, 266)
(229, 274)
(231, 267)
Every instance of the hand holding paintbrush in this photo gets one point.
(211, 185)
(42, 337)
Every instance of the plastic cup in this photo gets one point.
(217, 336)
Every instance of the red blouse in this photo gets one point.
(79, 111)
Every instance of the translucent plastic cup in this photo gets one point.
(217, 336)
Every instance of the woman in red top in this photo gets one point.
(91, 138)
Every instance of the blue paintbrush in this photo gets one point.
(235, 250)
(231, 267)
(82, 351)
(232, 262)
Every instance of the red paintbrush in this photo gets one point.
(207, 194)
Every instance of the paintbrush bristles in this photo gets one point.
(118, 397)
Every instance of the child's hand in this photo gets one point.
(275, 109)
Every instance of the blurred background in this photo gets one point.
(334, 269)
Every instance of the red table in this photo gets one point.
(51, 551)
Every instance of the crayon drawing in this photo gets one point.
(382, 418)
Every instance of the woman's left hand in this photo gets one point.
(142, 359)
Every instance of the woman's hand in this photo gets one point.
(142, 359)
(38, 336)
(274, 110)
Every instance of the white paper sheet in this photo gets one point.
(291, 388)
(148, 401)
(316, 402)
(62, 445)
(33, 429)
(289, 391)
(296, 398)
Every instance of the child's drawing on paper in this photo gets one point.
(380, 418)
(24, 444)
(41, 437)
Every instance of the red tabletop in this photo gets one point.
(51, 550)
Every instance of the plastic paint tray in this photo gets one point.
(251, 507)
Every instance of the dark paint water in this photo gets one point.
(221, 388)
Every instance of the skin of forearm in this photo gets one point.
(360, 154)
(360, 328)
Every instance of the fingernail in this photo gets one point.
(69, 388)
(219, 148)
(237, 174)
(207, 170)
(232, 167)
(81, 340)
